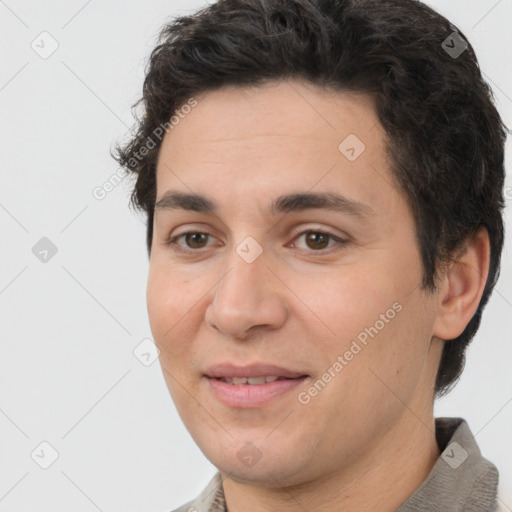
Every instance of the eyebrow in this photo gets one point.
(297, 202)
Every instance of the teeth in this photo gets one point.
(238, 380)
(256, 380)
(250, 380)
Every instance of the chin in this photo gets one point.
(271, 475)
(267, 464)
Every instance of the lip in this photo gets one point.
(228, 370)
(251, 395)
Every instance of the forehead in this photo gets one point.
(283, 133)
(287, 108)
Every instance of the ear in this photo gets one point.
(462, 286)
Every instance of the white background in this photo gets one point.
(69, 326)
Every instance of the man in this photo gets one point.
(323, 184)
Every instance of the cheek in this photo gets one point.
(167, 294)
(350, 300)
(170, 318)
(366, 316)
(386, 372)
(170, 310)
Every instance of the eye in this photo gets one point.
(317, 240)
(191, 237)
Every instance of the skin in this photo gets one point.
(367, 440)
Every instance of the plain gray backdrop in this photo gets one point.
(85, 424)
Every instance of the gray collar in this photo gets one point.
(460, 481)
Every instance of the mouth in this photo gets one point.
(266, 379)
(252, 371)
(251, 386)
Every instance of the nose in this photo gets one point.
(247, 297)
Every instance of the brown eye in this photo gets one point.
(317, 240)
(193, 238)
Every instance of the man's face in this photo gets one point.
(249, 286)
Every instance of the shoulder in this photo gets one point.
(188, 507)
(211, 498)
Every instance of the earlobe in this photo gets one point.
(462, 287)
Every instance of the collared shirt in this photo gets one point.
(462, 480)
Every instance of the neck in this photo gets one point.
(382, 479)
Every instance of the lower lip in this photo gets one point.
(251, 395)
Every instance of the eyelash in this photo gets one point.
(172, 242)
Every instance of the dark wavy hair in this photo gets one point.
(444, 134)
